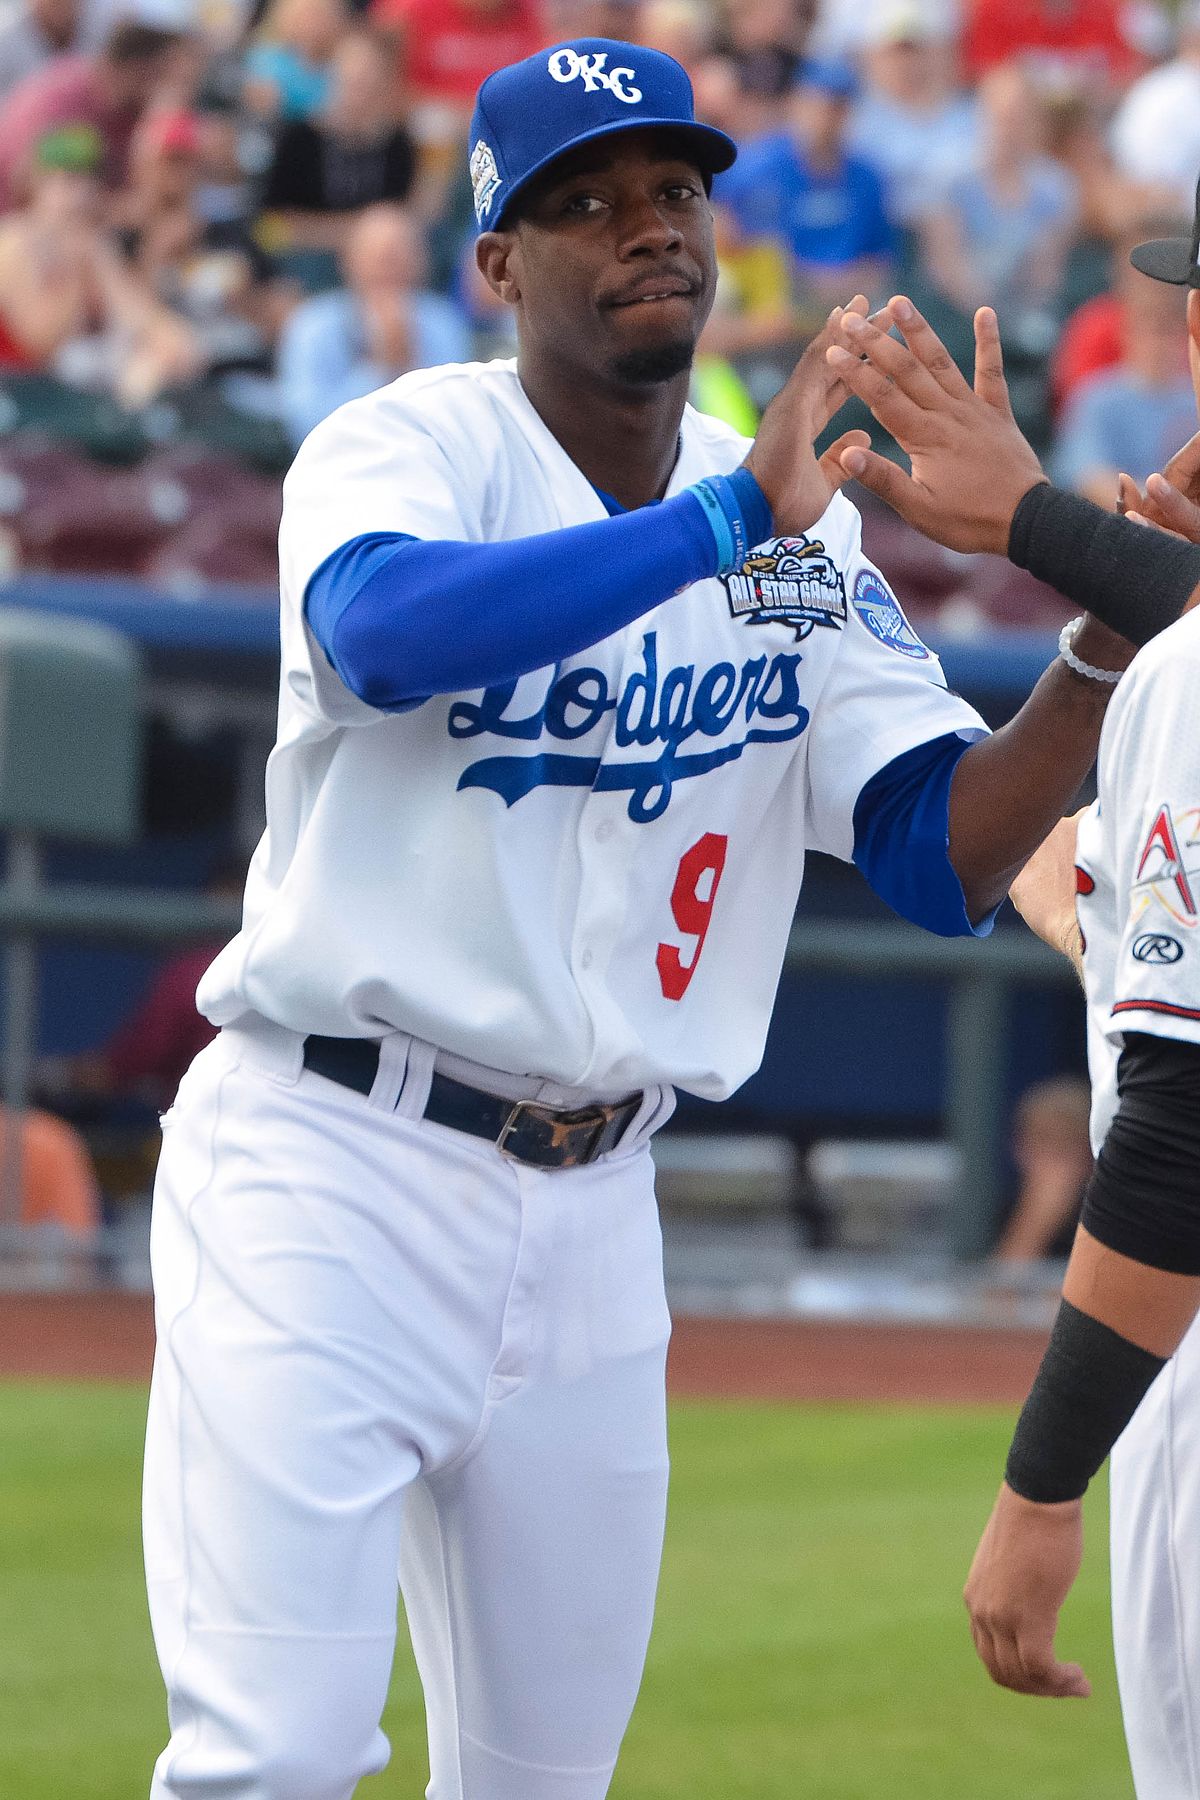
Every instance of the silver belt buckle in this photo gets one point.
(506, 1130)
(558, 1123)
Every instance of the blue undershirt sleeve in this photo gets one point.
(402, 618)
(902, 839)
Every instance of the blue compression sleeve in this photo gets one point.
(902, 839)
(401, 618)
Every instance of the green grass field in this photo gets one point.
(810, 1639)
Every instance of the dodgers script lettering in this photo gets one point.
(667, 710)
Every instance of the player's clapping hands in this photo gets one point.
(970, 464)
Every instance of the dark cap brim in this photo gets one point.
(713, 150)
(1167, 259)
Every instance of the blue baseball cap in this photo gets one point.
(532, 112)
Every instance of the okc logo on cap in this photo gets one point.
(533, 112)
(568, 65)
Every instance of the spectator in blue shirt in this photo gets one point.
(800, 187)
(1131, 418)
(339, 346)
(911, 125)
(287, 68)
(1000, 233)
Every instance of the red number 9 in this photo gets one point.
(696, 882)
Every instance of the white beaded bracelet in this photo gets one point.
(1066, 638)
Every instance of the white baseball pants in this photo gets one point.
(1156, 1580)
(382, 1349)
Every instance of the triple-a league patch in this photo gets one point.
(788, 581)
(485, 178)
(883, 616)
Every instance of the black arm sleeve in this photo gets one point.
(1090, 1384)
(1144, 1197)
(1135, 580)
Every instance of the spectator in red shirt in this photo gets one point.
(1082, 35)
(449, 47)
(154, 1048)
(108, 91)
(1094, 337)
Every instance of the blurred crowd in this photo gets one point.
(222, 218)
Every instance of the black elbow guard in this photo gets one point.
(1144, 1198)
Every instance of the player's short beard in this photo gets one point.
(655, 364)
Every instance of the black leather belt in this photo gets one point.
(523, 1129)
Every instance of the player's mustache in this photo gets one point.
(671, 279)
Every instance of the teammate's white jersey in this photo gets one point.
(590, 876)
(1138, 856)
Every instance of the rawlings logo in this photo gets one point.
(789, 581)
(568, 65)
(1157, 947)
(669, 711)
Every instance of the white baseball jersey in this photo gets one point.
(1138, 856)
(588, 875)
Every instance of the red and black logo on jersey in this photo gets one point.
(1168, 869)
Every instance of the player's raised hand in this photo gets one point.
(1024, 1568)
(970, 464)
(799, 485)
(1171, 500)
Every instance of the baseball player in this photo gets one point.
(1117, 888)
(572, 678)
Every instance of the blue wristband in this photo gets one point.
(716, 512)
(755, 507)
(737, 513)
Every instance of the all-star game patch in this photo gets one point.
(788, 581)
(485, 178)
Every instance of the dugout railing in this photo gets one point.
(72, 689)
(980, 981)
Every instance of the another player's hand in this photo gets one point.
(1024, 1568)
(1171, 500)
(970, 464)
(799, 485)
(1044, 892)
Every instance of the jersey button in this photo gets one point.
(604, 831)
(586, 960)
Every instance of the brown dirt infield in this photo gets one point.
(110, 1337)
